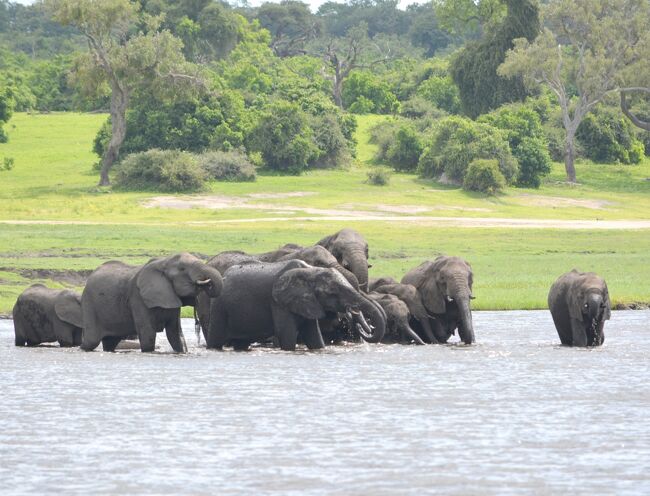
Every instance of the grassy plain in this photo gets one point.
(78, 226)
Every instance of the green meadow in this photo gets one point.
(55, 220)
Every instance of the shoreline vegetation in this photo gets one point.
(52, 187)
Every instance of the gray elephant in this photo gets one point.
(374, 283)
(276, 255)
(44, 315)
(445, 286)
(351, 250)
(398, 329)
(121, 300)
(284, 301)
(409, 294)
(579, 304)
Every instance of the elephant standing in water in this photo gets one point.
(351, 250)
(121, 300)
(579, 304)
(445, 286)
(398, 329)
(285, 300)
(44, 315)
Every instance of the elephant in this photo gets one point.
(351, 250)
(121, 300)
(445, 286)
(397, 313)
(284, 301)
(276, 255)
(316, 256)
(579, 304)
(411, 297)
(373, 283)
(44, 315)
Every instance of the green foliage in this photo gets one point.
(405, 150)
(474, 68)
(523, 130)
(418, 107)
(457, 141)
(233, 166)
(383, 136)
(160, 170)
(378, 176)
(425, 31)
(7, 163)
(363, 92)
(484, 176)
(333, 147)
(441, 92)
(6, 109)
(284, 138)
(607, 136)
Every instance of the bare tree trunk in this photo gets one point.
(119, 103)
(633, 118)
(338, 91)
(569, 156)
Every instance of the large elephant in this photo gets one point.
(276, 255)
(398, 329)
(284, 301)
(579, 304)
(121, 300)
(44, 315)
(351, 250)
(413, 300)
(445, 286)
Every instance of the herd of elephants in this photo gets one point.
(314, 295)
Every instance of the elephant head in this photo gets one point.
(314, 292)
(176, 281)
(317, 256)
(351, 250)
(67, 306)
(445, 286)
(413, 300)
(397, 317)
(588, 302)
(373, 283)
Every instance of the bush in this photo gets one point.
(363, 88)
(362, 105)
(404, 152)
(608, 136)
(6, 109)
(160, 170)
(484, 176)
(457, 141)
(7, 163)
(233, 166)
(383, 135)
(333, 147)
(284, 138)
(534, 162)
(441, 92)
(379, 177)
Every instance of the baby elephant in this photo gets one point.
(44, 315)
(579, 304)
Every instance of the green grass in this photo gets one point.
(53, 181)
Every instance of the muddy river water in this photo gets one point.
(514, 414)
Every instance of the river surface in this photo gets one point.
(514, 414)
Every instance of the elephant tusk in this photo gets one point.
(204, 282)
(449, 299)
(472, 297)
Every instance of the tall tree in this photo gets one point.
(291, 25)
(583, 56)
(468, 19)
(128, 52)
(474, 68)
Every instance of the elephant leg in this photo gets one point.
(76, 337)
(438, 331)
(578, 333)
(285, 328)
(64, 334)
(146, 326)
(109, 343)
(175, 334)
(217, 334)
(428, 331)
(311, 335)
(241, 344)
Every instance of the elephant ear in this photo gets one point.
(432, 297)
(67, 307)
(294, 292)
(575, 301)
(156, 290)
(607, 314)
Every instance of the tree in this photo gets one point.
(474, 68)
(583, 56)
(468, 18)
(123, 57)
(425, 30)
(291, 25)
(6, 109)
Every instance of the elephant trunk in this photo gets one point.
(460, 294)
(408, 331)
(351, 278)
(595, 311)
(209, 280)
(370, 320)
(358, 265)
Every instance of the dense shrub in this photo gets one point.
(284, 138)
(160, 170)
(441, 92)
(522, 128)
(6, 109)
(457, 141)
(608, 136)
(417, 107)
(484, 176)
(379, 176)
(333, 147)
(7, 163)
(383, 135)
(405, 150)
(227, 166)
(363, 88)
